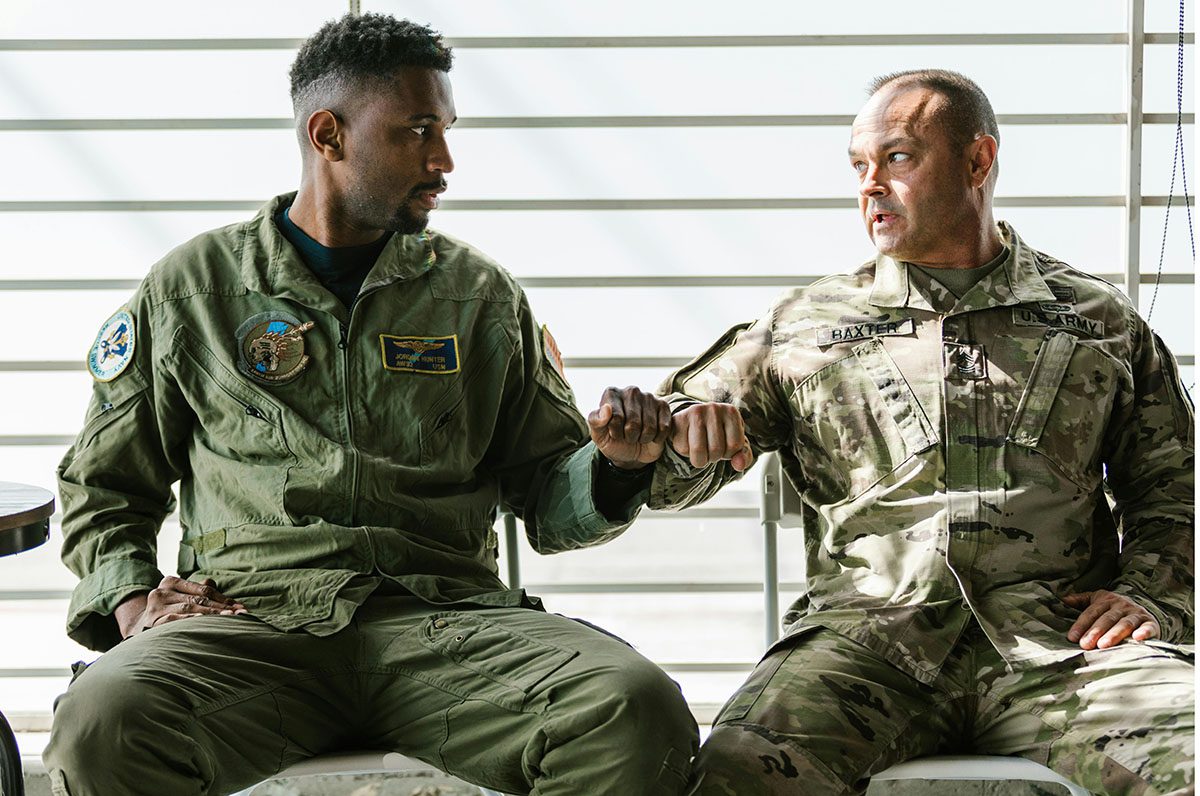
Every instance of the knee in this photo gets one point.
(739, 759)
(106, 715)
(641, 698)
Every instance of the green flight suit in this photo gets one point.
(952, 456)
(329, 461)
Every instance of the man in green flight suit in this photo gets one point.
(950, 414)
(343, 397)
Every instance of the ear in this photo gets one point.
(981, 154)
(326, 135)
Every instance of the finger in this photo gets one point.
(1120, 631)
(742, 460)
(189, 606)
(664, 422)
(205, 589)
(681, 425)
(649, 406)
(616, 420)
(1101, 626)
(1147, 631)
(1085, 620)
(714, 430)
(599, 418)
(631, 431)
(697, 440)
(736, 446)
(1078, 598)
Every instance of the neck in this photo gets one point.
(976, 246)
(320, 213)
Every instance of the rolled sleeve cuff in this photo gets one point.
(676, 483)
(1171, 626)
(572, 519)
(90, 616)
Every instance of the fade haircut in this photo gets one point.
(966, 113)
(355, 50)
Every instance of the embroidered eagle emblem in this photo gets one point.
(269, 349)
(419, 347)
(116, 343)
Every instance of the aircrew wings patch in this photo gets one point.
(420, 354)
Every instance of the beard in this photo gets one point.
(371, 210)
(405, 221)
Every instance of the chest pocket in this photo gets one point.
(864, 416)
(1066, 405)
(458, 427)
(237, 421)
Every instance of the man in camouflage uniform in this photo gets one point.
(343, 397)
(951, 414)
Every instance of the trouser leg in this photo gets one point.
(206, 705)
(526, 702)
(819, 717)
(1119, 721)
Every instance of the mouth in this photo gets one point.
(883, 219)
(427, 196)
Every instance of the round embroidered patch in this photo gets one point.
(113, 350)
(271, 347)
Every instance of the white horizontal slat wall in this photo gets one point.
(653, 191)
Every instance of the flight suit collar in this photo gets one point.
(1015, 281)
(272, 266)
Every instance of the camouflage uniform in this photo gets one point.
(952, 455)
(339, 472)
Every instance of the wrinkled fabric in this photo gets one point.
(824, 713)
(956, 457)
(299, 498)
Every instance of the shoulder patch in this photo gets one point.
(112, 351)
(438, 355)
(551, 352)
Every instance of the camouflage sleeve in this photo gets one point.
(738, 369)
(547, 465)
(115, 482)
(1148, 458)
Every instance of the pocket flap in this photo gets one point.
(1051, 364)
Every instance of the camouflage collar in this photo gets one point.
(271, 266)
(1016, 281)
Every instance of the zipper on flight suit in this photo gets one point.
(344, 345)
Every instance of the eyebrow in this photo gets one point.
(431, 117)
(889, 144)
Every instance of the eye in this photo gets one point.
(420, 130)
(859, 166)
(899, 157)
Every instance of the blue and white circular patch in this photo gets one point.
(113, 350)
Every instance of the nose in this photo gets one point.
(439, 157)
(871, 185)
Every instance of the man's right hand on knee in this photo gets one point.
(175, 598)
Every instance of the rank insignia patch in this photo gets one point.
(113, 350)
(271, 347)
(420, 354)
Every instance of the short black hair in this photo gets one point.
(967, 113)
(360, 47)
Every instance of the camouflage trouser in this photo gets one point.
(821, 715)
